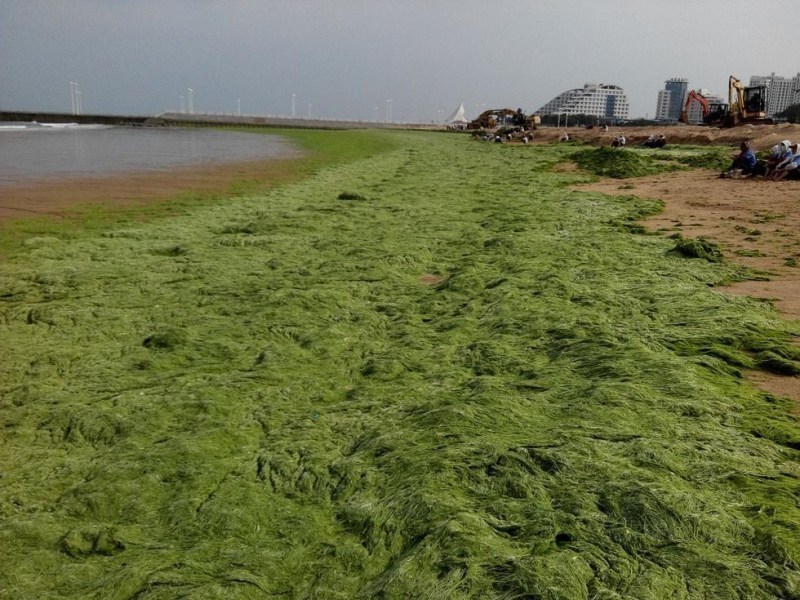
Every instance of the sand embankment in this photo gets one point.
(762, 136)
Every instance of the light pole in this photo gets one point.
(191, 100)
(75, 97)
(294, 96)
(238, 107)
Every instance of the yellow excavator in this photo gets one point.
(747, 104)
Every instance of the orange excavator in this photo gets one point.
(714, 113)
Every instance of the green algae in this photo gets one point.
(283, 408)
(620, 163)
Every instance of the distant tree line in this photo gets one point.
(791, 114)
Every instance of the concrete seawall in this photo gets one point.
(214, 120)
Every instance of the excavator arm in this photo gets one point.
(735, 96)
(693, 97)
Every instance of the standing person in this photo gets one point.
(743, 163)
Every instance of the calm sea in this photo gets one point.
(37, 152)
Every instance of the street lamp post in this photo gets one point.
(75, 97)
(79, 103)
(191, 100)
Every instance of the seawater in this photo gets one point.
(33, 152)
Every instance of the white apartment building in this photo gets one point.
(596, 99)
(781, 91)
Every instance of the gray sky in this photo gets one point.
(346, 57)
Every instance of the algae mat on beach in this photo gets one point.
(432, 372)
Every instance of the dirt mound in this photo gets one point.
(762, 136)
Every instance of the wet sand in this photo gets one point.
(55, 197)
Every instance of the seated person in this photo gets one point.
(776, 154)
(789, 166)
(744, 162)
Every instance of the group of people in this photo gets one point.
(618, 141)
(782, 162)
(655, 141)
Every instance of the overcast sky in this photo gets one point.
(348, 57)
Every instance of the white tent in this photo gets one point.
(459, 116)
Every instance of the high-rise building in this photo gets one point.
(595, 99)
(662, 105)
(671, 99)
(678, 89)
(782, 92)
